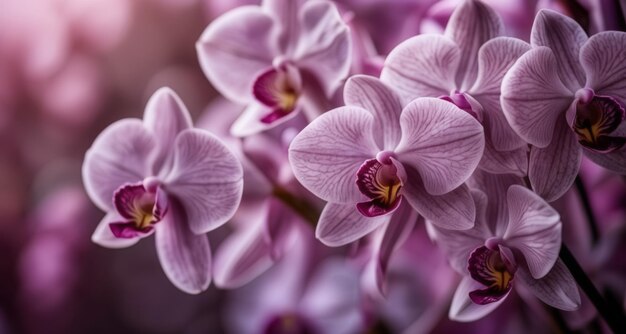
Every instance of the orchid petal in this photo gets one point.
(454, 210)
(504, 162)
(565, 38)
(374, 96)
(249, 122)
(558, 288)
(463, 308)
(119, 155)
(184, 256)
(534, 230)
(166, 116)
(342, 224)
(424, 65)
(234, 49)
(324, 46)
(552, 170)
(604, 60)
(614, 161)
(285, 14)
(206, 178)
(471, 25)
(533, 96)
(443, 143)
(105, 238)
(495, 58)
(327, 154)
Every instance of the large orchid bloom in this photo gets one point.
(371, 157)
(465, 67)
(278, 59)
(567, 96)
(516, 240)
(162, 176)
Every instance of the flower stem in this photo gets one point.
(300, 206)
(614, 317)
(591, 220)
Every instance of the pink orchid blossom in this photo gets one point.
(278, 58)
(465, 67)
(371, 158)
(162, 176)
(566, 97)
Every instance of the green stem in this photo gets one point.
(300, 206)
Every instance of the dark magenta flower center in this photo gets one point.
(380, 182)
(278, 89)
(595, 122)
(140, 208)
(289, 324)
(487, 267)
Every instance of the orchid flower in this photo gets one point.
(278, 58)
(567, 97)
(516, 241)
(371, 157)
(162, 176)
(464, 67)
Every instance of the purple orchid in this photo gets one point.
(465, 67)
(516, 241)
(278, 58)
(567, 97)
(371, 157)
(162, 176)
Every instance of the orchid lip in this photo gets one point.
(487, 267)
(140, 207)
(379, 181)
(278, 88)
(596, 120)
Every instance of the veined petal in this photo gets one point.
(604, 59)
(504, 162)
(166, 116)
(119, 155)
(327, 154)
(443, 143)
(454, 210)
(184, 256)
(614, 161)
(552, 170)
(424, 65)
(565, 38)
(234, 49)
(471, 25)
(374, 96)
(533, 96)
(341, 224)
(250, 121)
(495, 58)
(324, 48)
(285, 14)
(463, 308)
(557, 288)
(105, 238)
(534, 229)
(206, 178)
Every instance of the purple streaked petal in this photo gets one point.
(234, 49)
(119, 155)
(324, 47)
(327, 154)
(552, 170)
(494, 60)
(166, 116)
(105, 238)
(206, 178)
(614, 161)
(285, 14)
(342, 224)
(533, 96)
(471, 25)
(557, 288)
(443, 143)
(454, 210)
(604, 61)
(424, 65)
(463, 308)
(128, 230)
(504, 162)
(184, 256)
(374, 96)
(565, 38)
(534, 230)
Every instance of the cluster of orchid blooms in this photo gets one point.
(469, 132)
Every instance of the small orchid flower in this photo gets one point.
(163, 177)
(371, 157)
(516, 241)
(277, 58)
(567, 97)
(465, 67)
